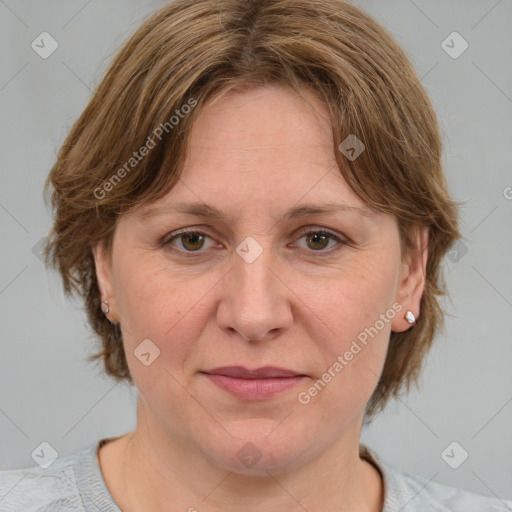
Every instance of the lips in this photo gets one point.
(239, 372)
(258, 384)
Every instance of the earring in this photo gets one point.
(409, 316)
(107, 310)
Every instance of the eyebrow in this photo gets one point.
(208, 211)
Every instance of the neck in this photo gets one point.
(165, 474)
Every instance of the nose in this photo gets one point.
(255, 301)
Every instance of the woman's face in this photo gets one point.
(251, 289)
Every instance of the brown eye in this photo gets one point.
(188, 241)
(318, 241)
(192, 241)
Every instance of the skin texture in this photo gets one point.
(253, 155)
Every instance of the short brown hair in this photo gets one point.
(191, 51)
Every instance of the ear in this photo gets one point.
(412, 282)
(103, 264)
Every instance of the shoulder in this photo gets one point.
(423, 494)
(414, 493)
(35, 489)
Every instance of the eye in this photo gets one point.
(318, 240)
(189, 240)
(192, 241)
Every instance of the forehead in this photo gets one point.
(271, 126)
(265, 150)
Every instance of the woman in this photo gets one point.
(253, 208)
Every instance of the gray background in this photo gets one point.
(49, 393)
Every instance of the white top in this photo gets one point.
(75, 483)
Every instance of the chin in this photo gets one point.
(256, 459)
(259, 446)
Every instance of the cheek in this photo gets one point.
(354, 311)
(161, 305)
(353, 299)
(149, 296)
(152, 310)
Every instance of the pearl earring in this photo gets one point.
(409, 316)
(107, 309)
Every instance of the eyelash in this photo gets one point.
(188, 231)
